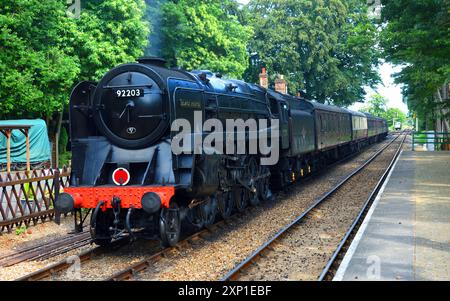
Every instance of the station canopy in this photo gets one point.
(40, 150)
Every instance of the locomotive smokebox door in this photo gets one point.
(131, 106)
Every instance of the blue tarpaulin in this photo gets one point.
(40, 149)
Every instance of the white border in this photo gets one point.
(128, 174)
(354, 245)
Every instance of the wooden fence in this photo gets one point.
(28, 199)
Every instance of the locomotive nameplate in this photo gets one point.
(128, 93)
(191, 104)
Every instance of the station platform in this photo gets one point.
(406, 233)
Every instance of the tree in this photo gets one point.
(205, 35)
(358, 55)
(377, 106)
(109, 33)
(37, 71)
(393, 115)
(326, 48)
(44, 53)
(417, 37)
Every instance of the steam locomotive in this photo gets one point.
(125, 172)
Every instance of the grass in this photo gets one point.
(21, 230)
(64, 159)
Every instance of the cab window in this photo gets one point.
(274, 106)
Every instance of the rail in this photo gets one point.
(431, 141)
(234, 274)
(132, 271)
(332, 263)
(26, 198)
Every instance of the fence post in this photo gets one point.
(55, 196)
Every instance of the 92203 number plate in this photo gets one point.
(128, 93)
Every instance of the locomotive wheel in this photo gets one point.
(225, 204)
(241, 196)
(102, 242)
(254, 171)
(196, 217)
(209, 209)
(263, 185)
(170, 225)
(254, 197)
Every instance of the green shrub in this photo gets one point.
(21, 230)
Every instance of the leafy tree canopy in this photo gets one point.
(205, 35)
(417, 37)
(36, 68)
(376, 106)
(43, 52)
(327, 47)
(394, 115)
(109, 33)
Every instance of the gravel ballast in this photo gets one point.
(213, 257)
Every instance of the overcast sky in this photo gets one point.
(388, 89)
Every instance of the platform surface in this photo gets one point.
(406, 234)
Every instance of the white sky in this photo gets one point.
(387, 89)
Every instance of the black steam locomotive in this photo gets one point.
(125, 171)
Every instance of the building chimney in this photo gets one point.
(281, 85)
(264, 79)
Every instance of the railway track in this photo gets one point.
(46, 250)
(130, 272)
(135, 269)
(269, 246)
(333, 264)
(63, 265)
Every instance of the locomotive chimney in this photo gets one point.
(152, 61)
(264, 79)
(281, 85)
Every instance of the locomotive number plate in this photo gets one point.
(127, 93)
